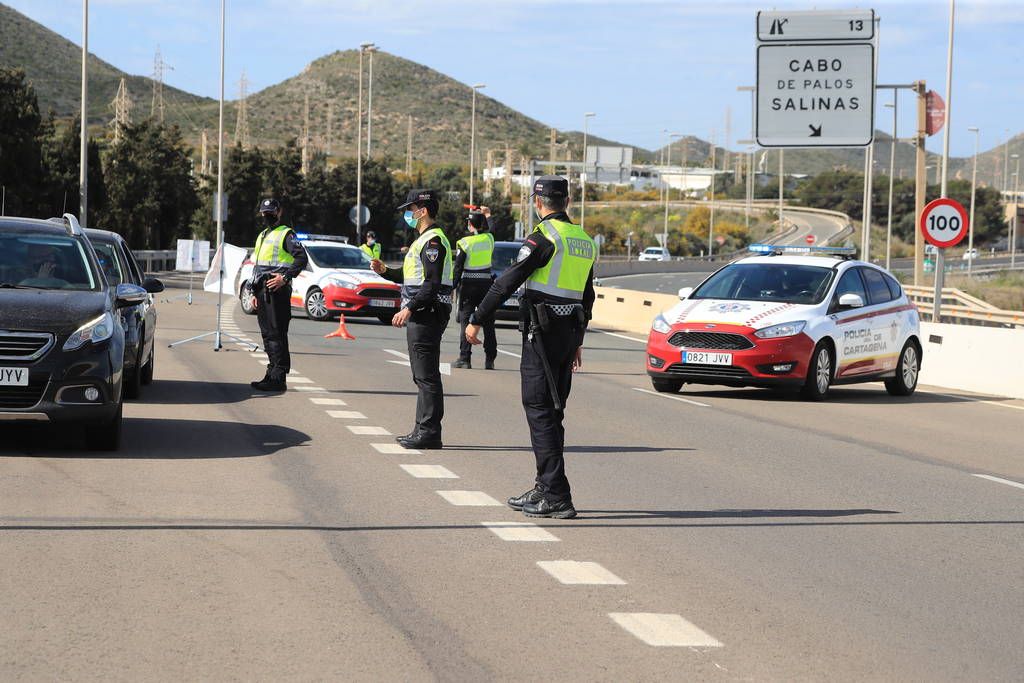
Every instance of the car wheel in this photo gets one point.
(819, 374)
(667, 386)
(385, 318)
(316, 305)
(133, 378)
(247, 299)
(907, 371)
(147, 369)
(105, 436)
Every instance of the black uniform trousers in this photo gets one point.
(274, 313)
(423, 333)
(547, 435)
(471, 293)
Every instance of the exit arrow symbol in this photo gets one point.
(815, 132)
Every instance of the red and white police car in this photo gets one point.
(338, 280)
(803, 317)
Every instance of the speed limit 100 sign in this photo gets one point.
(944, 223)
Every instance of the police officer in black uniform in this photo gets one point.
(472, 280)
(278, 257)
(426, 309)
(556, 265)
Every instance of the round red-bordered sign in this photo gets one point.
(944, 223)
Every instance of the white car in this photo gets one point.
(655, 254)
(804, 317)
(970, 255)
(337, 280)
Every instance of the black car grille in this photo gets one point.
(709, 371)
(723, 341)
(25, 346)
(378, 293)
(24, 397)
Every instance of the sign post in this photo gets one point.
(944, 224)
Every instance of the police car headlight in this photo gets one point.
(661, 325)
(781, 330)
(95, 331)
(344, 284)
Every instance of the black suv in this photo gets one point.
(119, 265)
(61, 336)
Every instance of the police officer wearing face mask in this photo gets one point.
(426, 309)
(472, 279)
(556, 263)
(278, 257)
(371, 247)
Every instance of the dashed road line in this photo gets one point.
(393, 449)
(346, 414)
(670, 396)
(298, 379)
(468, 498)
(318, 389)
(574, 573)
(999, 480)
(520, 532)
(429, 471)
(663, 630)
(365, 430)
(622, 336)
(509, 353)
(403, 356)
(327, 401)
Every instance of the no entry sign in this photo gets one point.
(944, 223)
(809, 239)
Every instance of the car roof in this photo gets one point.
(102, 235)
(820, 261)
(53, 226)
(516, 243)
(328, 243)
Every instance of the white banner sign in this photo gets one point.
(232, 257)
(193, 256)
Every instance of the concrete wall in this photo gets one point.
(984, 360)
(627, 310)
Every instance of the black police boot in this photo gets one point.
(561, 509)
(489, 364)
(259, 381)
(462, 364)
(531, 496)
(406, 437)
(270, 385)
(423, 441)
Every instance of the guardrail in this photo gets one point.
(961, 308)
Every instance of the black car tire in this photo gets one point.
(385, 318)
(147, 369)
(666, 386)
(107, 435)
(908, 369)
(316, 305)
(820, 373)
(133, 378)
(247, 299)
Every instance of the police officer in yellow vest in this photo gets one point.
(472, 279)
(556, 263)
(372, 247)
(277, 258)
(426, 309)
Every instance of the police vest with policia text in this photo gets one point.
(565, 274)
(479, 251)
(270, 254)
(373, 251)
(412, 268)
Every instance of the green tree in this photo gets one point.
(20, 145)
(61, 151)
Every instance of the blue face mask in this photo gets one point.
(409, 220)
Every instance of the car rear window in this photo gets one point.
(109, 263)
(878, 291)
(781, 282)
(42, 261)
(338, 257)
(894, 287)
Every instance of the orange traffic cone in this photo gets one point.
(342, 331)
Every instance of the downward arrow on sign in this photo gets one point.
(815, 132)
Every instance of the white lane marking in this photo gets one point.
(622, 336)
(663, 630)
(574, 573)
(509, 353)
(261, 356)
(401, 362)
(327, 401)
(364, 430)
(674, 398)
(393, 449)
(403, 356)
(520, 532)
(462, 498)
(972, 400)
(999, 480)
(308, 389)
(346, 414)
(429, 471)
(297, 379)
(445, 368)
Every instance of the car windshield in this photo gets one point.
(45, 262)
(338, 257)
(781, 282)
(108, 262)
(652, 250)
(504, 256)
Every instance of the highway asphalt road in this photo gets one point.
(818, 226)
(723, 534)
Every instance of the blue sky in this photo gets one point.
(642, 65)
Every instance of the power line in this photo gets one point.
(122, 106)
(156, 110)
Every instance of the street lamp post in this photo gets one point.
(892, 172)
(583, 176)
(1013, 224)
(369, 102)
(472, 143)
(359, 147)
(974, 186)
(749, 186)
(668, 164)
(83, 168)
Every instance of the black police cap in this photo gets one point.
(551, 186)
(371, 233)
(477, 219)
(270, 205)
(419, 197)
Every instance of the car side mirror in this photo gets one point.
(851, 301)
(685, 292)
(152, 285)
(130, 295)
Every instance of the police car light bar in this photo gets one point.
(305, 236)
(779, 249)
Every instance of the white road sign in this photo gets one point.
(815, 95)
(787, 27)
